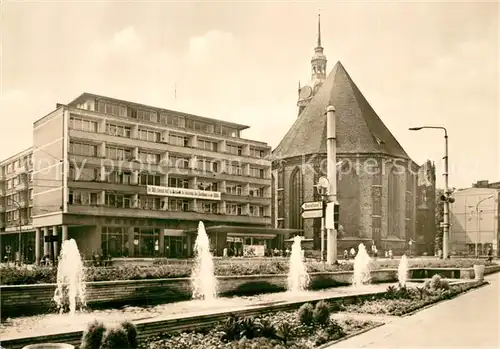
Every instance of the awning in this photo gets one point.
(247, 231)
(254, 235)
(303, 240)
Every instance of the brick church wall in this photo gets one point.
(357, 190)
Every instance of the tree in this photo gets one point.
(439, 214)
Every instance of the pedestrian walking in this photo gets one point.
(490, 254)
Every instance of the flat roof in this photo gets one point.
(247, 230)
(240, 127)
(16, 156)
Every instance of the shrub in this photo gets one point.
(390, 293)
(231, 329)
(403, 292)
(115, 338)
(335, 307)
(285, 331)
(306, 314)
(435, 281)
(131, 331)
(93, 335)
(334, 330)
(444, 284)
(267, 329)
(321, 313)
(249, 328)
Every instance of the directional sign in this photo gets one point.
(312, 205)
(312, 214)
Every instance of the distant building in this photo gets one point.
(426, 208)
(16, 205)
(377, 181)
(486, 184)
(475, 220)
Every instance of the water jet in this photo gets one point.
(362, 262)
(298, 278)
(203, 280)
(70, 289)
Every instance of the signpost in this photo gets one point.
(312, 209)
(312, 214)
(312, 205)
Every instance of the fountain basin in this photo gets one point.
(49, 346)
(37, 298)
(195, 314)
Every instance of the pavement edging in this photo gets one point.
(327, 345)
(442, 300)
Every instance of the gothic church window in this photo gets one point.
(393, 207)
(296, 199)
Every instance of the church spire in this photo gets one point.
(319, 30)
(318, 62)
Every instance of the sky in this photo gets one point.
(417, 63)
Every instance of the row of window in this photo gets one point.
(26, 160)
(115, 177)
(82, 124)
(165, 119)
(13, 216)
(16, 199)
(115, 200)
(18, 180)
(124, 154)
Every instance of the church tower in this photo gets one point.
(318, 73)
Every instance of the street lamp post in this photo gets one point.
(446, 197)
(478, 223)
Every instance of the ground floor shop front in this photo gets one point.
(117, 237)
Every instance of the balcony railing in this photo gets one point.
(102, 210)
(21, 169)
(22, 186)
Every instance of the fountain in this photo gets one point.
(403, 271)
(203, 281)
(362, 263)
(298, 279)
(70, 289)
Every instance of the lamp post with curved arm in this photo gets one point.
(478, 225)
(447, 193)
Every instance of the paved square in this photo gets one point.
(468, 321)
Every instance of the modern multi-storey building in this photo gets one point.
(126, 179)
(475, 222)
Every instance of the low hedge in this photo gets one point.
(12, 275)
(403, 301)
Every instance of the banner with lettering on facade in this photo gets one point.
(183, 193)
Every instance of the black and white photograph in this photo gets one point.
(227, 174)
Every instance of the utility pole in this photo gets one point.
(331, 154)
(447, 198)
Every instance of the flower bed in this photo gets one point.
(404, 300)
(306, 328)
(11, 275)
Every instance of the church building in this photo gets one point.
(376, 179)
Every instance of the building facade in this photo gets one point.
(475, 221)
(127, 180)
(377, 182)
(426, 209)
(16, 205)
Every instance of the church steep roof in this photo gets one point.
(359, 129)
